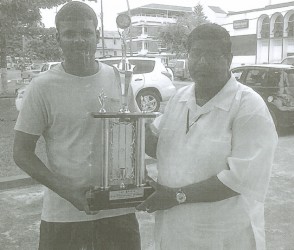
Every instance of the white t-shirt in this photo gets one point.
(57, 105)
(234, 139)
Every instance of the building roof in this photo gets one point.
(267, 7)
(165, 7)
(217, 9)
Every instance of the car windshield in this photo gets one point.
(289, 61)
(141, 66)
(180, 64)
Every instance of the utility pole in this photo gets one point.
(130, 28)
(3, 62)
(102, 28)
(102, 25)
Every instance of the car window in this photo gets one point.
(256, 77)
(238, 74)
(45, 67)
(180, 64)
(289, 61)
(289, 82)
(111, 62)
(141, 66)
(275, 78)
(53, 65)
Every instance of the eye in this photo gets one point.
(69, 34)
(87, 33)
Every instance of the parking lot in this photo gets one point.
(21, 207)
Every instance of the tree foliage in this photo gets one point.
(174, 36)
(22, 18)
(19, 18)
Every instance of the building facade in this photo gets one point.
(112, 45)
(263, 35)
(146, 23)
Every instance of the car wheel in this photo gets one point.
(148, 101)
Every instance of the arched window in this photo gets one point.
(278, 27)
(290, 28)
(265, 28)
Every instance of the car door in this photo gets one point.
(256, 78)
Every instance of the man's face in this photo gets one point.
(77, 39)
(208, 64)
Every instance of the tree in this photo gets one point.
(174, 36)
(18, 18)
(44, 46)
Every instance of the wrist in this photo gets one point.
(180, 196)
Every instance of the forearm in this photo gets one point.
(33, 166)
(209, 190)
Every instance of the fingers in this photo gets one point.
(152, 183)
(88, 211)
(145, 207)
(141, 207)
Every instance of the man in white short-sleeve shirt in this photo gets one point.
(214, 145)
(57, 106)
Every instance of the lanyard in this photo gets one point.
(188, 125)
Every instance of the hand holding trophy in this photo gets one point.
(123, 182)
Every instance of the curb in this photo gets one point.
(25, 180)
(16, 181)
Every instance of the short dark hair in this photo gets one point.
(75, 11)
(210, 31)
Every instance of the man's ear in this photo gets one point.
(57, 36)
(97, 35)
(230, 58)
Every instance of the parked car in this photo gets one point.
(30, 74)
(35, 69)
(181, 70)
(275, 84)
(152, 81)
(289, 60)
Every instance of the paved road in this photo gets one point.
(21, 207)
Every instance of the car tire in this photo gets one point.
(151, 101)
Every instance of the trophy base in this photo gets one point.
(114, 197)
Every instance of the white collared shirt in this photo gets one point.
(232, 137)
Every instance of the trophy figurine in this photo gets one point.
(123, 140)
(101, 98)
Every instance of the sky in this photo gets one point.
(112, 7)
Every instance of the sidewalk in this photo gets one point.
(21, 205)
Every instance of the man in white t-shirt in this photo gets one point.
(57, 106)
(214, 146)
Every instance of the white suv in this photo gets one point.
(151, 82)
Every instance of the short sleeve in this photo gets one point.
(32, 118)
(254, 140)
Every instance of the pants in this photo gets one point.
(115, 233)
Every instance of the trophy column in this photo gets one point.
(140, 152)
(105, 161)
(123, 142)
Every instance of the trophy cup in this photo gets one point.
(123, 142)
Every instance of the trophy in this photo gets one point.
(123, 140)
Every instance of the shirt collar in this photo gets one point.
(223, 99)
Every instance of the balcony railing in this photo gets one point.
(152, 19)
